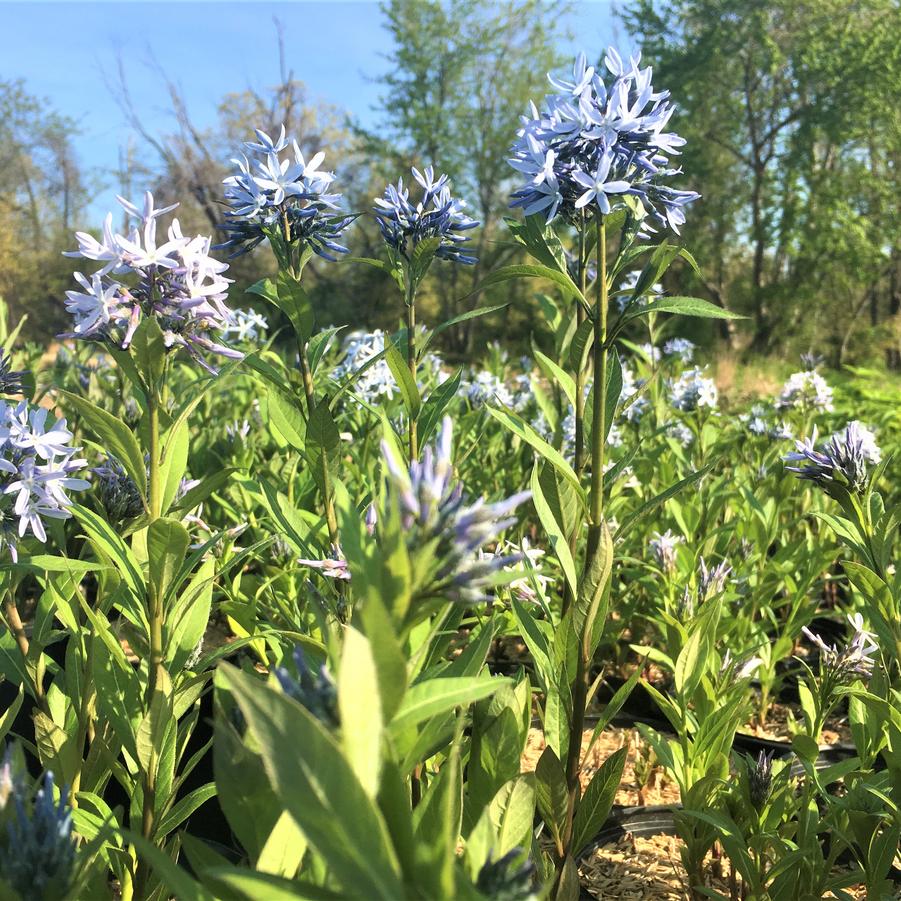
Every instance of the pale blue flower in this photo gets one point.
(118, 494)
(37, 858)
(372, 380)
(289, 195)
(844, 664)
(595, 142)
(486, 388)
(806, 391)
(633, 407)
(314, 690)
(404, 223)
(245, 326)
(856, 432)
(692, 391)
(177, 282)
(435, 516)
(37, 467)
(663, 545)
(597, 186)
(843, 460)
(681, 348)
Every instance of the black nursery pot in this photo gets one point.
(642, 822)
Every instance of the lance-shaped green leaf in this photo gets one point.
(389, 660)
(167, 544)
(555, 374)
(649, 506)
(553, 519)
(317, 785)
(284, 849)
(321, 428)
(465, 317)
(691, 662)
(286, 416)
(319, 344)
(435, 406)
(434, 697)
(423, 254)
(115, 437)
(409, 390)
(614, 390)
(614, 705)
(527, 433)
(552, 794)
(361, 709)
(170, 874)
(589, 609)
(532, 270)
(199, 493)
(389, 268)
(241, 884)
(149, 350)
(436, 828)
(594, 808)
(540, 240)
(683, 306)
(157, 722)
(580, 346)
(287, 294)
(504, 825)
(9, 715)
(174, 461)
(109, 545)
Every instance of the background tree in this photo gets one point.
(790, 143)
(42, 196)
(461, 74)
(190, 162)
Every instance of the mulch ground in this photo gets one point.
(638, 868)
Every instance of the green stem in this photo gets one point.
(327, 496)
(655, 387)
(17, 627)
(579, 442)
(582, 685)
(599, 397)
(411, 365)
(328, 500)
(579, 410)
(84, 721)
(156, 511)
(156, 616)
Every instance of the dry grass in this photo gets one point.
(745, 381)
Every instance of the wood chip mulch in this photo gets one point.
(650, 869)
(638, 868)
(657, 790)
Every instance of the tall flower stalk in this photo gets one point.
(147, 300)
(279, 196)
(415, 234)
(598, 156)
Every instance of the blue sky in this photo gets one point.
(67, 52)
